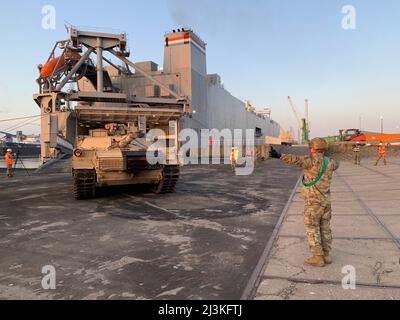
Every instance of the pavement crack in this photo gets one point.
(378, 272)
(288, 292)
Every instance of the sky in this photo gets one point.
(264, 50)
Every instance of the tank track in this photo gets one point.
(84, 184)
(169, 181)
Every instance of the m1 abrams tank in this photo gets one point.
(119, 132)
(119, 154)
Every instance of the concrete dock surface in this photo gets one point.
(366, 232)
(200, 242)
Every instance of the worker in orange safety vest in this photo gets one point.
(9, 163)
(234, 158)
(381, 153)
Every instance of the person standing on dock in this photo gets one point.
(357, 154)
(9, 163)
(234, 158)
(381, 153)
(318, 172)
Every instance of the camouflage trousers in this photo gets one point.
(9, 169)
(317, 219)
(379, 158)
(357, 158)
(233, 165)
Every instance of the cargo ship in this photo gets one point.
(24, 146)
(183, 76)
(184, 70)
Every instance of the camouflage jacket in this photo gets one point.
(321, 192)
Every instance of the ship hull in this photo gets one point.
(25, 150)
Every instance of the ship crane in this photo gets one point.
(303, 123)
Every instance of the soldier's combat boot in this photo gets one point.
(315, 261)
(327, 258)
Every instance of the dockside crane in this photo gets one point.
(302, 122)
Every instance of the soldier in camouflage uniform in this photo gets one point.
(316, 196)
(357, 154)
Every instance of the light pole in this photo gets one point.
(382, 129)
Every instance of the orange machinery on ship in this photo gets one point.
(355, 135)
(55, 65)
(395, 137)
